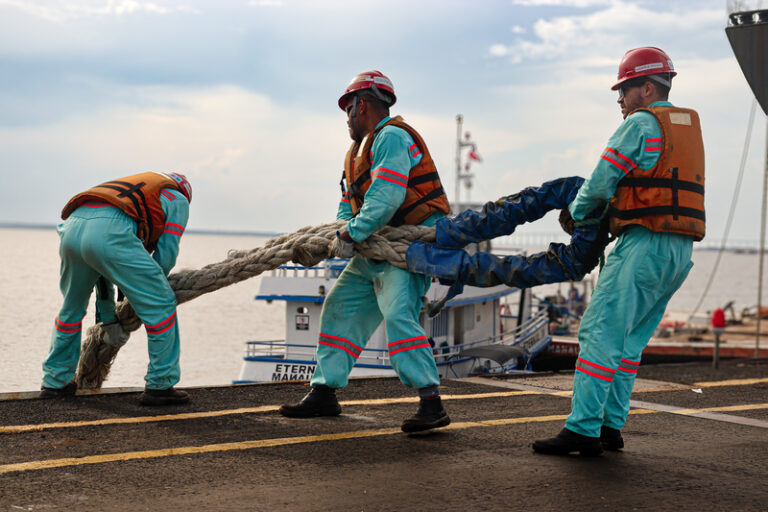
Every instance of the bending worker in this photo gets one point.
(107, 236)
(653, 174)
(389, 178)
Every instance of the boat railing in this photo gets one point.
(518, 335)
(329, 269)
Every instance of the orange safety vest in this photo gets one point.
(424, 194)
(668, 198)
(138, 196)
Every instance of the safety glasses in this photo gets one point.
(628, 85)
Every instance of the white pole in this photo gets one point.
(459, 120)
(762, 248)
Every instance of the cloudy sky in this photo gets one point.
(241, 96)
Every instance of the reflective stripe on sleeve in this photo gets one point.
(391, 176)
(653, 144)
(619, 160)
(174, 229)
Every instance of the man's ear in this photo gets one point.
(649, 89)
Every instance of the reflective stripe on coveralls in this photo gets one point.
(396, 347)
(340, 343)
(68, 328)
(594, 370)
(629, 366)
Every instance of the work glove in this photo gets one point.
(342, 248)
(115, 335)
(307, 258)
(567, 222)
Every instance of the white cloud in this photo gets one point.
(61, 11)
(618, 25)
(563, 3)
(498, 50)
(517, 29)
(266, 3)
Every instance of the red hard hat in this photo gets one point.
(643, 61)
(375, 81)
(184, 185)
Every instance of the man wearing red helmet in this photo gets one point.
(389, 178)
(652, 175)
(107, 236)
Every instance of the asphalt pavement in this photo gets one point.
(697, 439)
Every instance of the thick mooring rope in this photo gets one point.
(307, 246)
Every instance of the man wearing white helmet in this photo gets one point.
(107, 236)
(652, 175)
(389, 178)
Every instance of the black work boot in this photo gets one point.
(611, 439)
(430, 415)
(170, 396)
(68, 390)
(320, 401)
(568, 441)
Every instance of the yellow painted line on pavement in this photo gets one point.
(189, 450)
(724, 408)
(17, 429)
(705, 384)
(415, 399)
(696, 385)
(285, 441)
(734, 382)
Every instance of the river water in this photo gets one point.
(215, 326)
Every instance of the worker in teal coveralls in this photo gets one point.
(368, 290)
(99, 246)
(643, 271)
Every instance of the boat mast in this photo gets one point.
(459, 121)
(465, 177)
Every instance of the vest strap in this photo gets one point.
(657, 210)
(131, 192)
(662, 183)
(399, 217)
(424, 178)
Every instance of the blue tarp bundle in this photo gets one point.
(452, 265)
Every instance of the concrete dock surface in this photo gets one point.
(696, 439)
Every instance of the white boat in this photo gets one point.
(475, 331)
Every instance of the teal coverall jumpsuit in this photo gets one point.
(369, 290)
(99, 241)
(640, 275)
